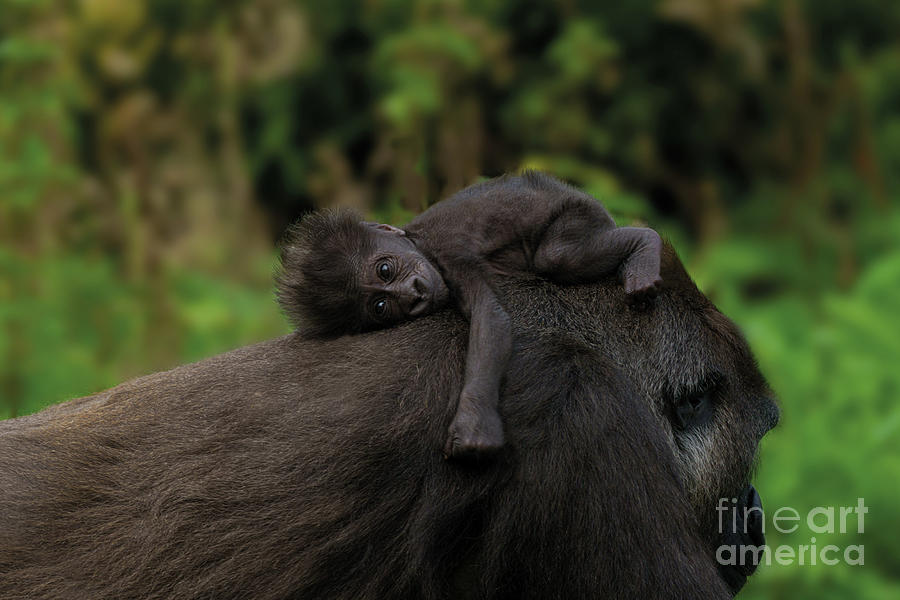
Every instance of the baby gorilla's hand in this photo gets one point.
(476, 430)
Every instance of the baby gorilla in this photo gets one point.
(341, 275)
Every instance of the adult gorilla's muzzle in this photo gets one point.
(742, 533)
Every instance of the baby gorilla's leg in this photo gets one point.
(573, 252)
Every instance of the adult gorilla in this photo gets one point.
(293, 469)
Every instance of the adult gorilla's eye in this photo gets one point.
(384, 271)
(380, 307)
(694, 407)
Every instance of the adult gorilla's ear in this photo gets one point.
(385, 227)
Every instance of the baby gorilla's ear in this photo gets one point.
(384, 227)
(317, 284)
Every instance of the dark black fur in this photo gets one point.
(313, 469)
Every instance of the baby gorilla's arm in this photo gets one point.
(477, 428)
(579, 247)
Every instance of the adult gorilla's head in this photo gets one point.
(694, 369)
(716, 406)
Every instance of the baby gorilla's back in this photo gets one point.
(501, 223)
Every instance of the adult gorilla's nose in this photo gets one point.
(749, 534)
(754, 510)
(743, 539)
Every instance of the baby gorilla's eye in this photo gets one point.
(380, 307)
(385, 272)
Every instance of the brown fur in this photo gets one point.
(313, 469)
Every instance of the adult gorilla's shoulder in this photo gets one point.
(299, 469)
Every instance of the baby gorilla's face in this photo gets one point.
(398, 283)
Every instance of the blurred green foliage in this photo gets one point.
(151, 152)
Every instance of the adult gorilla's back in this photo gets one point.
(298, 469)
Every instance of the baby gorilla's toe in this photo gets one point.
(474, 436)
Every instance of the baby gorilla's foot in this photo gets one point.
(474, 433)
(640, 273)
